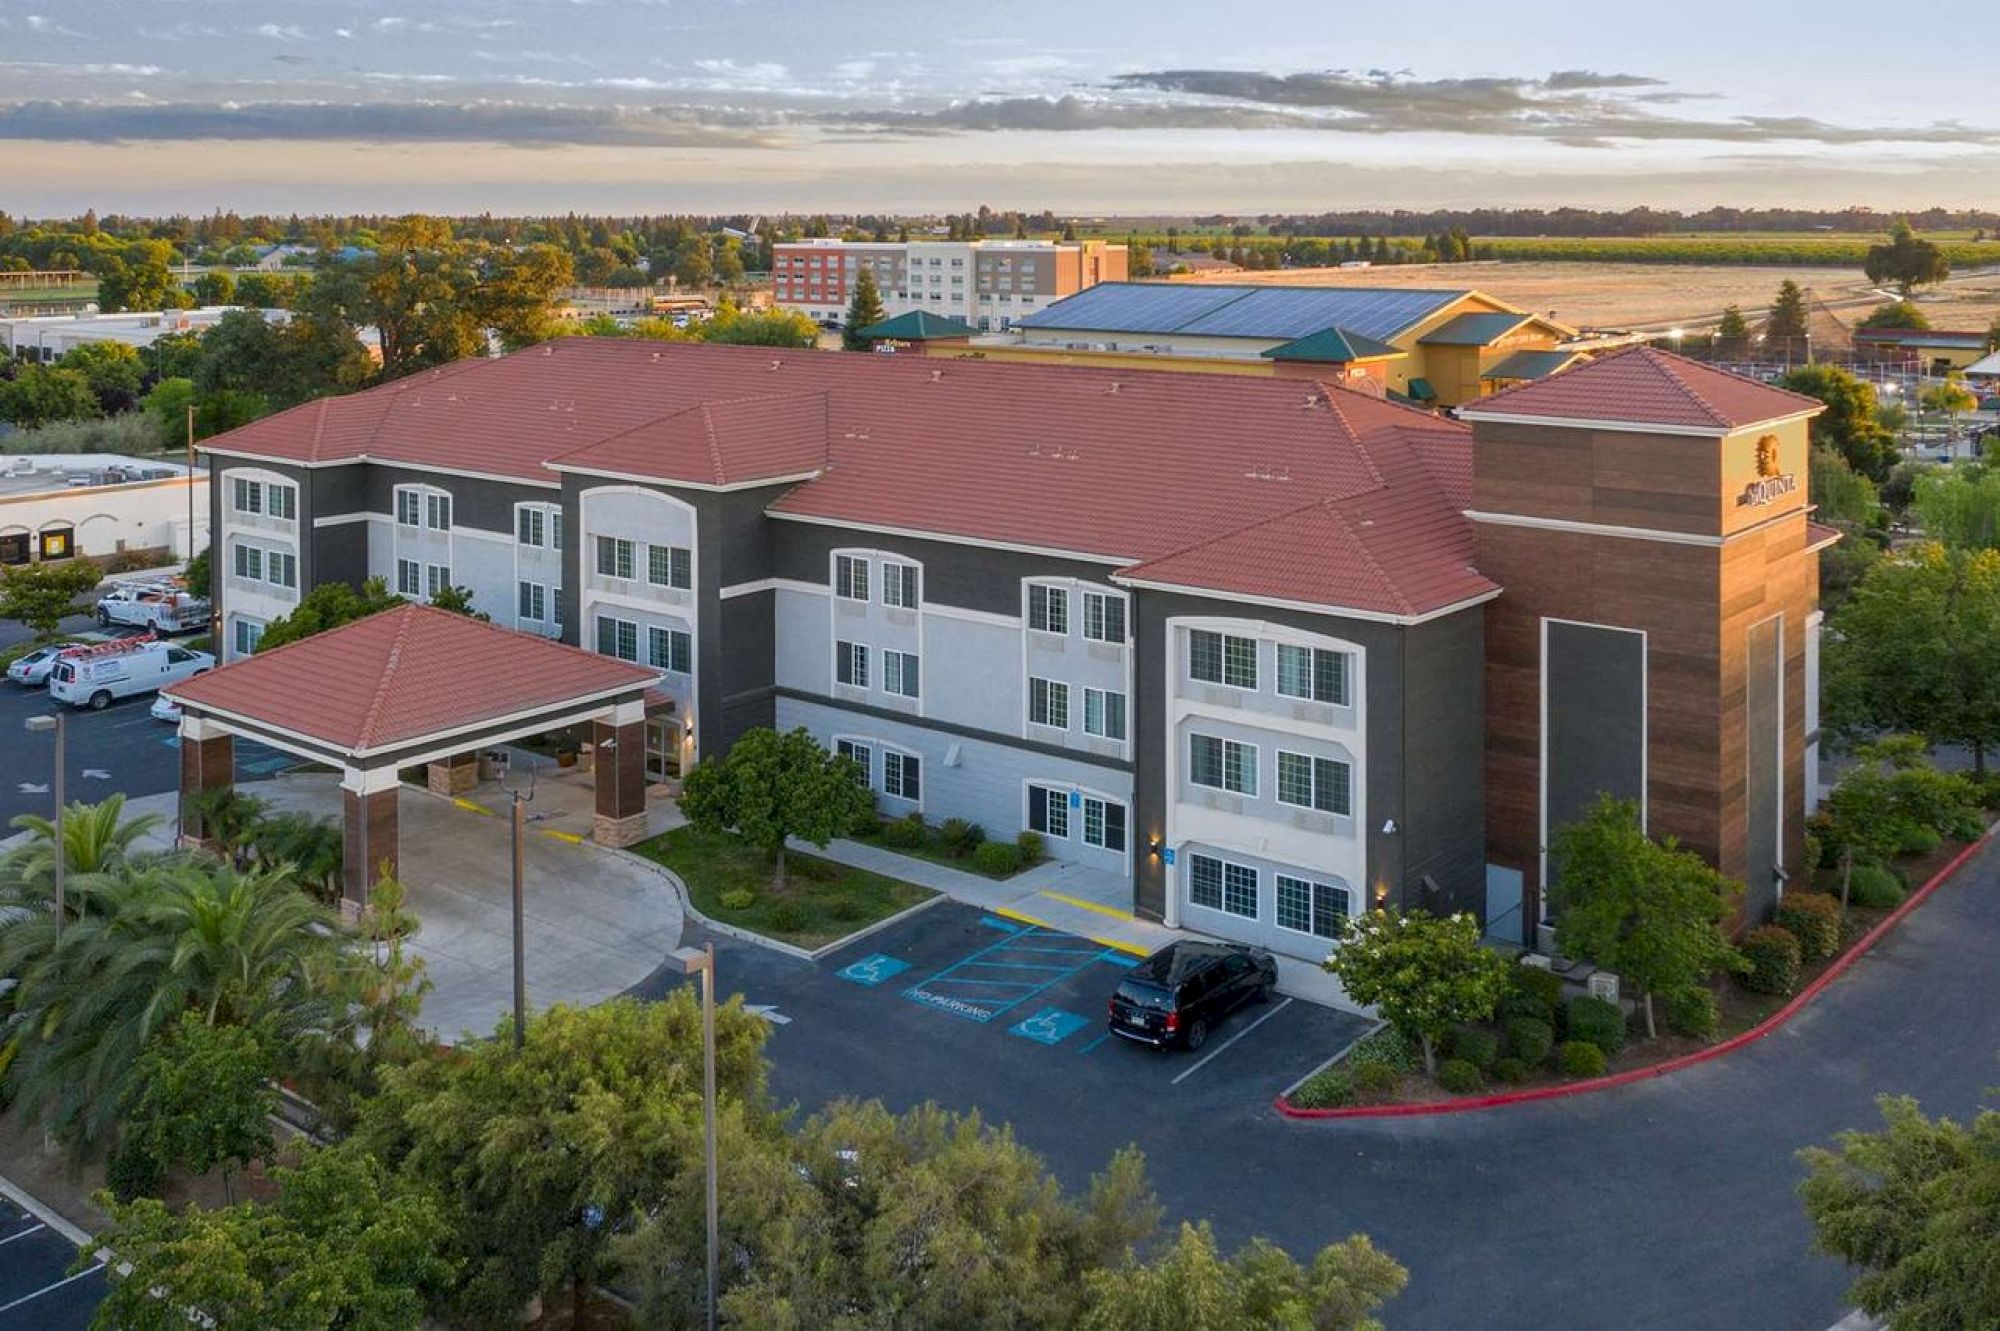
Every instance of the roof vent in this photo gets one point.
(656, 358)
(548, 349)
(1312, 400)
(1111, 390)
(778, 363)
(937, 376)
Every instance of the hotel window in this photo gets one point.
(248, 634)
(1312, 673)
(249, 562)
(899, 585)
(281, 569)
(555, 529)
(1320, 909)
(902, 775)
(409, 578)
(614, 557)
(437, 577)
(1222, 764)
(1048, 703)
(531, 527)
(1103, 824)
(1104, 713)
(862, 756)
(1048, 608)
(409, 508)
(1103, 617)
(617, 637)
(1219, 885)
(899, 673)
(1218, 658)
(850, 664)
(670, 649)
(282, 501)
(1306, 782)
(437, 512)
(670, 566)
(850, 577)
(533, 602)
(246, 496)
(1048, 811)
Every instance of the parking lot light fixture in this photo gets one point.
(701, 960)
(52, 723)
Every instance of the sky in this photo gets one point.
(1106, 107)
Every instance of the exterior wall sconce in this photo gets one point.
(1153, 845)
(1388, 827)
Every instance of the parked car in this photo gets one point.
(165, 709)
(33, 669)
(95, 676)
(162, 607)
(1183, 991)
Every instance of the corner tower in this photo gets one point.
(1646, 516)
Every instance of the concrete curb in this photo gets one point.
(43, 1212)
(1770, 1024)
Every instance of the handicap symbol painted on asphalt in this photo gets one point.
(1050, 1026)
(873, 970)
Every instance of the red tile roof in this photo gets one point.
(400, 675)
(1645, 386)
(717, 443)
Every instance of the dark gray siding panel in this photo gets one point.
(1595, 687)
(1764, 664)
(971, 577)
(339, 554)
(337, 490)
(488, 505)
(1444, 804)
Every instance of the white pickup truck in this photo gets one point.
(164, 607)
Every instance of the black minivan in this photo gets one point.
(1183, 991)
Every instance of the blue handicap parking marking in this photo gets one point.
(993, 923)
(873, 969)
(1006, 973)
(1049, 1026)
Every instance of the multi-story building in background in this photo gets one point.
(990, 284)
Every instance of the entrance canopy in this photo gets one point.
(409, 686)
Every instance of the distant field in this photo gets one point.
(1764, 250)
(45, 295)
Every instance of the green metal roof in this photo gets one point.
(919, 326)
(1421, 390)
(1473, 330)
(1331, 344)
(1530, 364)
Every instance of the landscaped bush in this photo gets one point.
(1875, 887)
(996, 857)
(738, 898)
(961, 837)
(1581, 1058)
(1388, 1048)
(1814, 919)
(867, 824)
(1327, 1089)
(1031, 846)
(1532, 992)
(1474, 1045)
(905, 833)
(131, 1172)
(1773, 954)
(1460, 1077)
(1596, 1020)
(787, 917)
(1692, 1012)
(1512, 1071)
(1920, 841)
(1374, 1079)
(1966, 827)
(1529, 1040)
(846, 909)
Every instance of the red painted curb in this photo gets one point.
(1771, 1023)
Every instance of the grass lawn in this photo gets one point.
(820, 901)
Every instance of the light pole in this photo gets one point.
(53, 723)
(692, 960)
(520, 822)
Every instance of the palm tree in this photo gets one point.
(314, 847)
(97, 841)
(177, 935)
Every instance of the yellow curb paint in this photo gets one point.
(1081, 904)
(1005, 913)
(1130, 949)
(570, 837)
(469, 805)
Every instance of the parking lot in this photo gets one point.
(37, 1289)
(969, 1009)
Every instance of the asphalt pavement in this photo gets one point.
(38, 1290)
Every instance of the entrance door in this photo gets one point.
(663, 750)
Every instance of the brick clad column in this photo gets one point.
(368, 833)
(208, 762)
(620, 777)
(456, 775)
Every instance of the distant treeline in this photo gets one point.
(1594, 222)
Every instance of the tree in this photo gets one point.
(1959, 506)
(1906, 260)
(347, 1247)
(515, 296)
(1849, 424)
(1838, 493)
(694, 262)
(1786, 332)
(863, 311)
(172, 356)
(1652, 913)
(144, 286)
(1424, 973)
(327, 606)
(1732, 333)
(98, 840)
(309, 355)
(1855, 823)
(1895, 314)
(1950, 397)
(1914, 1207)
(216, 288)
(113, 371)
(39, 394)
(1192, 1287)
(771, 786)
(770, 328)
(458, 600)
(40, 596)
(203, 1100)
(1993, 334)
(1913, 648)
(269, 291)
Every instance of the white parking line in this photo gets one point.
(35, 1228)
(50, 1289)
(1230, 1041)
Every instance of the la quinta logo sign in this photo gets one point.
(1770, 484)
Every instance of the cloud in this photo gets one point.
(1568, 79)
(282, 32)
(1066, 114)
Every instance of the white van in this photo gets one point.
(93, 676)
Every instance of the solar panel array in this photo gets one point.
(1239, 311)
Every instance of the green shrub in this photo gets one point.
(1596, 1020)
(1815, 854)
(1512, 1071)
(1529, 1040)
(1692, 1012)
(1543, 989)
(1920, 841)
(1474, 1045)
(131, 1172)
(1327, 1089)
(867, 825)
(1986, 789)
(1031, 847)
(959, 836)
(1375, 1079)
(1460, 1077)
(905, 833)
(1387, 1047)
(846, 909)
(1773, 954)
(1966, 827)
(1581, 1058)
(1875, 887)
(738, 898)
(786, 917)
(996, 857)
(1814, 919)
